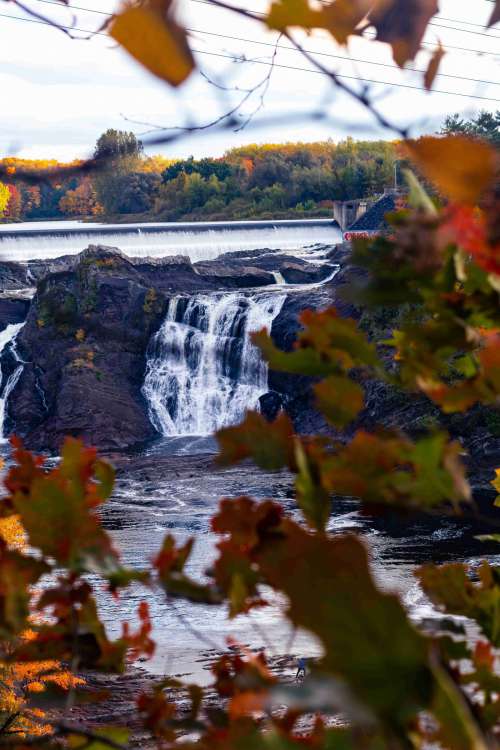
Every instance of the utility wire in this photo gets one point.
(431, 23)
(464, 31)
(235, 58)
(293, 49)
(258, 13)
(430, 45)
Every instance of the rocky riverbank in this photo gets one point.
(91, 317)
(87, 330)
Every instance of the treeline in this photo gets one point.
(265, 181)
(56, 197)
(255, 180)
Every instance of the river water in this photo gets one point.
(174, 486)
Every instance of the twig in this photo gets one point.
(264, 84)
(45, 19)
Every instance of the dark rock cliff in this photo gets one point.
(89, 324)
(84, 345)
(88, 327)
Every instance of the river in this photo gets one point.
(173, 485)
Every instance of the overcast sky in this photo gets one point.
(58, 94)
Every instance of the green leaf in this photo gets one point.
(418, 197)
(458, 727)
(119, 735)
(312, 498)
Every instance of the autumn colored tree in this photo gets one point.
(15, 203)
(82, 201)
(4, 198)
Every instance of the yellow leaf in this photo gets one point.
(341, 18)
(154, 40)
(286, 13)
(496, 482)
(460, 167)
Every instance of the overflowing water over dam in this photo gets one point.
(198, 241)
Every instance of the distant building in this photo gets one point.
(368, 218)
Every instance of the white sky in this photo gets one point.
(58, 94)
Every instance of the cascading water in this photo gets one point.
(203, 372)
(7, 384)
(195, 240)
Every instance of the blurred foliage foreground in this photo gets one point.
(397, 687)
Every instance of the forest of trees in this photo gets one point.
(265, 181)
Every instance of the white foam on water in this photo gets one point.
(206, 244)
(203, 371)
(8, 336)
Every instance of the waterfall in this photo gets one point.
(7, 384)
(203, 372)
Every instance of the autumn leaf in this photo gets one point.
(433, 67)
(465, 226)
(354, 621)
(495, 16)
(149, 33)
(339, 398)
(269, 444)
(402, 24)
(496, 484)
(286, 13)
(451, 589)
(460, 167)
(343, 17)
(58, 508)
(169, 564)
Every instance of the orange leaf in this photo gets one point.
(460, 167)
(155, 40)
(432, 70)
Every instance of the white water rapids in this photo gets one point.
(205, 242)
(203, 372)
(7, 384)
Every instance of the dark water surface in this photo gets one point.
(174, 487)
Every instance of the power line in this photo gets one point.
(431, 23)
(458, 20)
(275, 65)
(464, 31)
(430, 45)
(293, 49)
